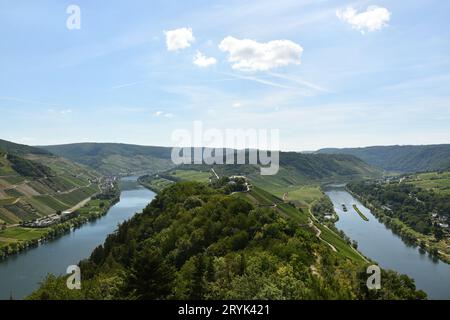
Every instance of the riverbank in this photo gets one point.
(379, 243)
(20, 274)
(17, 239)
(405, 232)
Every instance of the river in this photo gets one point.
(21, 274)
(382, 245)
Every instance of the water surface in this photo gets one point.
(21, 274)
(382, 245)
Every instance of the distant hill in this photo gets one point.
(34, 183)
(19, 149)
(116, 158)
(111, 158)
(401, 158)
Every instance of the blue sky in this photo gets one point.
(377, 79)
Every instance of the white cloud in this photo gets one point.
(374, 18)
(249, 55)
(163, 114)
(203, 61)
(237, 105)
(66, 111)
(179, 38)
(62, 111)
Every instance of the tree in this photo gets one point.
(150, 277)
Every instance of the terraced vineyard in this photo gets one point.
(28, 197)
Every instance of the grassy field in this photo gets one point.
(22, 234)
(283, 181)
(158, 184)
(305, 195)
(263, 197)
(76, 196)
(439, 182)
(51, 202)
(14, 179)
(94, 206)
(191, 175)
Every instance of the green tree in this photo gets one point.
(150, 277)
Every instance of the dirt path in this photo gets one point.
(319, 233)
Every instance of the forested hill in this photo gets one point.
(194, 242)
(125, 159)
(19, 149)
(401, 158)
(116, 158)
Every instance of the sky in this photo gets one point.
(325, 73)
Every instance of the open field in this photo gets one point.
(305, 195)
(22, 234)
(439, 182)
(158, 184)
(191, 175)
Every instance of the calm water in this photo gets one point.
(21, 274)
(380, 244)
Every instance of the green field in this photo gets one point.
(439, 182)
(263, 197)
(23, 234)
(158, 184)
(13, 193)
(283, 181)
(305, 195)
(76, 196)
(191, 175)
(14, 180)
(51, 202)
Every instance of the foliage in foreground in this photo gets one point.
(194, 242)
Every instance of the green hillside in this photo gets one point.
(110, 158)
(19, 149)
(194, 242)
(35, 184)
(116, 158)
(401, 158)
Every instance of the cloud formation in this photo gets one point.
(163, 114)
(203, 61)
(249, 55)
(373, 19)
(179, 39)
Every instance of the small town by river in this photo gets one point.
(20, 274)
